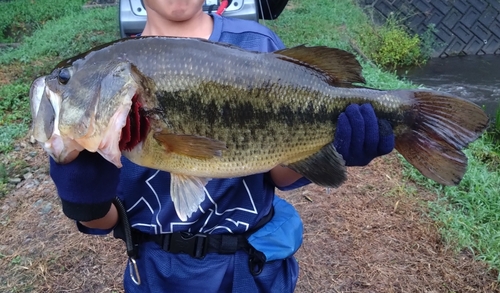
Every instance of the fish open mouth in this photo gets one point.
(136, 127)
(45, 109)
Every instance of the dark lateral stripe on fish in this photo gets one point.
(236, 113)
(276, 108)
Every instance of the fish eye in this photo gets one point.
(64, 75)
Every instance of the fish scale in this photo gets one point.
(210, 110)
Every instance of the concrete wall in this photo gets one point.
(463, 27)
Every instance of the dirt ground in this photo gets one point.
(367, 236)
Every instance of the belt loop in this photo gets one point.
(228, 244)
(165, 242)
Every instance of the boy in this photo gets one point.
(209, 252)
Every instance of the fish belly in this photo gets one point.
(249, 151)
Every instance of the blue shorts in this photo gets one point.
(162, 271)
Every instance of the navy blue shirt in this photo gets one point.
(232, 205)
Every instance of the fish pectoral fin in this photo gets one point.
(191, 145)
(340, 66)
(187, 193)
(325, 167)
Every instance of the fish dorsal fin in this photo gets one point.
(187, 193)
(190, 145)
(340, 66)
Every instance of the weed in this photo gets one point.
(429, 42)
(13, 169)
(14, 114)
(396, 47)
(16, 260)
(8, 133)
(14, 104)
(388, 45)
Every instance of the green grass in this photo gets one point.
(14, 114)
(338, 24)
(9, 133)
(56, 39)
(342, 24)
(13, 105)
(20, 17)
(469, 214)
(318, 23)
(66, 36)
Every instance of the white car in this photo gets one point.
(133, 15)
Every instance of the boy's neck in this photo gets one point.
(199, 26)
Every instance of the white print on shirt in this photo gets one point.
(158, 227)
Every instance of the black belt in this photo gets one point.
(196, 245)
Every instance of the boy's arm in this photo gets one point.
(87, 187)
(105, 223)
(283, 176)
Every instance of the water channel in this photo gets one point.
(475, 78)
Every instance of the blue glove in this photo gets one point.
(360, 136)
(87, 186)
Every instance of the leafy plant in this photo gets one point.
(396, 47)
(429, 42)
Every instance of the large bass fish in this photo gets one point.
(202, 110)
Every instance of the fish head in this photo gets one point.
(84, 106)
(44, 123)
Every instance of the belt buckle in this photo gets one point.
(195, 245)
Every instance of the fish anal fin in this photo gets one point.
(325, 167)
(340, 66)
(187, 193)
(191, 145)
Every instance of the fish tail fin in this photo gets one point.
(440, 126)
(325, 168)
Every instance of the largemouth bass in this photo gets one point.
(202, 110)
